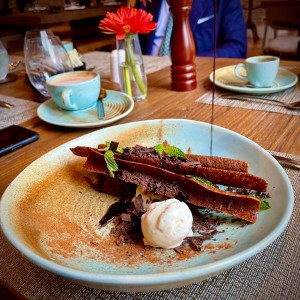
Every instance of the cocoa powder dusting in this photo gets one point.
(58, 218)
(60, 221)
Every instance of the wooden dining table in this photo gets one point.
(275, 132)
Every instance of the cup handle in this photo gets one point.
(66, 99)
(237, 74)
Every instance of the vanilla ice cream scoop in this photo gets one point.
(167, 223)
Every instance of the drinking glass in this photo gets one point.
(36, 33)
(36, 6)
(44, 57)
(4, 61)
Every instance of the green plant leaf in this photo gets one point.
(264, 205)
(111, 164)
(169, 150)
(159, 148)
(108, 146)
(200, 179)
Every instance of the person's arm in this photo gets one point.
(232, 39)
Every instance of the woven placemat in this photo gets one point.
(290, 95)
(22, 111)
(270, 275)
(100, 63)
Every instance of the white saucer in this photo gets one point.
(225, 78)
(117, 105)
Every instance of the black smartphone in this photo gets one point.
(15, 137)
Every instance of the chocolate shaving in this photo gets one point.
(116, 209)
(126, 217)
(179, 250)
(127, 229)
(197, 242)
(113, 146)
(138, 204)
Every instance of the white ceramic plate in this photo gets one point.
(50, 213)
(117, 105)
(226, 79)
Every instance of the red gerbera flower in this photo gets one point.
(127, 20)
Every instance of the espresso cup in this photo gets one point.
(68, 45)
(75, 90)
(261, 70)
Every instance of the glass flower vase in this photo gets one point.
(133, 79)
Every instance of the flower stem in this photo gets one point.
(127, 76)
(132, 63)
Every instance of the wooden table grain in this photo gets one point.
(273, 131)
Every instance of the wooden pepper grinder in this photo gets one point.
(182, 47)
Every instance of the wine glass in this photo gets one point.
(35, 33)
(36, 6)
(45, 56)
(4, 61)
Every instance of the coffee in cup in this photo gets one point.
(261, 71)
(75, 90)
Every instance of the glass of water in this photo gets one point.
(45, 56)
(4, 61)
(35, 33)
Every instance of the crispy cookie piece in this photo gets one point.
(170, 184)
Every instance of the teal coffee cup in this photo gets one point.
(75, 90)
(260, 71)
(68, 45)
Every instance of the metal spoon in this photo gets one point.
(293, 105)
(240, 84)
(100, 106)
(6, 104)
(289, 162)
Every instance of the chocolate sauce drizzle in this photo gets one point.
(214, 85)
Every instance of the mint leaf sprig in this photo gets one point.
(111, 164)
(109, 149)
(264, 205)
(201, 179)
(169, 150)
(112, 146)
